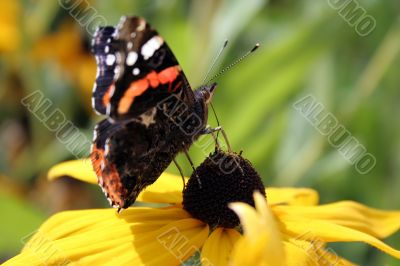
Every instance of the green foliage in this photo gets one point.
(19, 221)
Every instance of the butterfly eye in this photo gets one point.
(207, 96)
(208, 93)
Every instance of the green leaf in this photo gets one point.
(19, 220)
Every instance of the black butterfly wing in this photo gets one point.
(127, 157)
(136, 70)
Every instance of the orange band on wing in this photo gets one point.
(112, 184)
(135, 89)
(152, 80)
(168, 75)
(110, 180)
(107, 95)
(97, 157)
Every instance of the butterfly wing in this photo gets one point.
(136, 70)
(127, 157)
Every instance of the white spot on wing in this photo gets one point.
(118, 68)
(110, 59)
(131, 58)
(94, 106)
(129, 45)
(94, 137)
(112, 90)
(151, 46)
(117, 72)
(98, 70)
(107, 49)
(107, 147)
(108, 109)
(135, 71)
(141, 26)
(119, 57)
(148, 118)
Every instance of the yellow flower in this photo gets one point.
(299, 233)
(10, 15)
(290, 230)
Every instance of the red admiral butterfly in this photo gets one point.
(152, 112)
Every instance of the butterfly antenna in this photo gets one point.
(235, 62)
(215, 60)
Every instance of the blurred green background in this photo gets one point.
(307, 47)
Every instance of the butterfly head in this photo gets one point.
(206, 93)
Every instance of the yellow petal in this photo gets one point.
(378, 223)
(327, 231)
(262, 207)
(291, 196)
(248, 218)
(70, 223)
(78, 169)
(98, 236)
(172, 244)
(218, 247)
(167, 189)
(261, 235)
(331, 258)
(252, 252)
(301, 252)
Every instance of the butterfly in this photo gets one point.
(151, 112)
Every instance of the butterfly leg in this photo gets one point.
(215, 137)
(180, 171)
(210, 130)
(192, 165)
